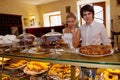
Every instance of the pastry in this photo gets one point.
(26, 40)
(95, 49)
(100, 70)
(37, 66)
(109, 76)
(62, 71)
(16, 63)
(115, 71)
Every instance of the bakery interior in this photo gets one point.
(24, 55)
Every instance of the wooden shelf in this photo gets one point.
(7, 21)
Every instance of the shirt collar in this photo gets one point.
(92, 24)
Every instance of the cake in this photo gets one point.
(26, 39)
(52, 39)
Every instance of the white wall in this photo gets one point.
(19, 8)
(115, 11)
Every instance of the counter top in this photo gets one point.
(69, 57)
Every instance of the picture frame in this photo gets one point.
(68, 9)
(14, 30)
(118, 2)
(26, 21)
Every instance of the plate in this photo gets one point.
(4, 59)
(5, 77)
(32, 72)
(66, 76)
(11, 68)
(1, 63)
(2, 45)
(16, 64)
(34, 51)
(111, 52)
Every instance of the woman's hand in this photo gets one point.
(73, 30)
(76, 37)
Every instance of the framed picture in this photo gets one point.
(68, 9)
(26, 21)
(118, 2)
(14, 30)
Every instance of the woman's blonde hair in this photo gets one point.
(70, 15)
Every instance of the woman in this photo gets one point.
(92, 32)
(71, 34)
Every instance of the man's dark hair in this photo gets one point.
(86, 8)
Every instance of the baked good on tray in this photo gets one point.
(95, 49)
(37, 66)
(34, 68)
(52, 40)
(63, 72)
(16, 64)
(109, 76)
(26, 39)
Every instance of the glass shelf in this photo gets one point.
(110, 61)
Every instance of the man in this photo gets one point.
(92, 32)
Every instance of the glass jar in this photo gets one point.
(26, 40)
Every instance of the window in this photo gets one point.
(98, 14)
(55, 20)
(52, 19)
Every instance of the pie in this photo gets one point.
(95, 49)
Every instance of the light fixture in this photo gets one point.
(33, 17)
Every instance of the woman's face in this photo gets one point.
(88, 17)
(71, 22)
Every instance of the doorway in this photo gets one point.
(100, 12)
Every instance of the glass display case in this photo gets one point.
(68, 58)
(52, 39)
(26, 40)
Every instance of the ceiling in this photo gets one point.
(37, 2)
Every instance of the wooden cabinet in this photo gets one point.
(7, 21)
(38, 32)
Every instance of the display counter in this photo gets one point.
(66, 56)
(70, 57)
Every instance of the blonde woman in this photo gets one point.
(71, 34)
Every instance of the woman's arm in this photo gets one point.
(76, 37)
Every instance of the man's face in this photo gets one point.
(71, 22)
(88, 16)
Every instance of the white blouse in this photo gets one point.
(68, 38)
